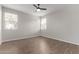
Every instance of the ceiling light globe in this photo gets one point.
(38, 9)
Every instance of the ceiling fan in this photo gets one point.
(37, 6)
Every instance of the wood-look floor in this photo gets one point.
(38, 45)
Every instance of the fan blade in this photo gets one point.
(35, 5)
(43, 8)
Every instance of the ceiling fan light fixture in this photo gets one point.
(38, 10)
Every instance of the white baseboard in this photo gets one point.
(18, 38)
(0, 43)
(43, 36)
(61, 40)
(0, 40)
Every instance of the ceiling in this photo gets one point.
(30, 9)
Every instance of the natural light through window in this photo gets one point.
(43, 24)
(10, 21)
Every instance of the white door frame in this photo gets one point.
(0, 24)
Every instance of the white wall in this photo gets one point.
(0, 22)
(28, 26)
(63, 24)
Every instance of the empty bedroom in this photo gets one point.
(39, 28)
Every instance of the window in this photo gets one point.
(10, 21)
(43, 24)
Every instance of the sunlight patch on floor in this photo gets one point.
(44, 47)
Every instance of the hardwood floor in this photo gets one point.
(38, 45)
